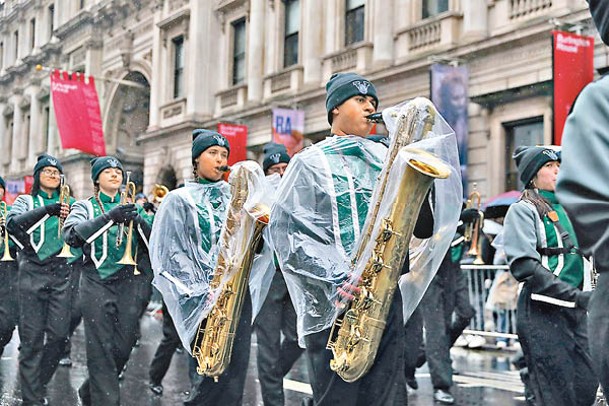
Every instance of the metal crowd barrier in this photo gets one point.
(492, 321)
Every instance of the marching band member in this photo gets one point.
(109, 290)
(582, 189)
(322, 204)
(542, 251)
(9, 310)
(43, 292)
(276, 316)
(184, 247)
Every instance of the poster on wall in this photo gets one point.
(573, 68)
(236, 134)
(77, 112)
(449, 94)
(288, 129)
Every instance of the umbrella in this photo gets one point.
(498, 205)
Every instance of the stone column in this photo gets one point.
(331, 27)
(382, 53)
(35, 134)
(273, 33)
(156, 81)
(16, 143)
(200, 80)
(255, 50)
(311, 34)
(475, 19)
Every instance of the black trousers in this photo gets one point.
(110, 311)
(413, 331)
(228, 390)
(555, 345)
(44, 315)
(437, 307)
(463, 310)
(75, 313)
(9, 309)
(384, 383)
(164, 352)
(276, 356)
(598, 330)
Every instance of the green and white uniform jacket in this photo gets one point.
(42, 240)
(99, 240)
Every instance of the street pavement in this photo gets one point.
(485, 377)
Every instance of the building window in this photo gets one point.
(292, 26)
(1, 55)
(32, 33)
(238, 51)
(46, 126)
(526, 132)
(51, 20)
(81, 4)
(178, 67)
(16, 42)
(434, 7)
(354, 21)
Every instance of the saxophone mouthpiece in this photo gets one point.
(224, 168)
(376, 118)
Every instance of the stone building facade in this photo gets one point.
(201, 62)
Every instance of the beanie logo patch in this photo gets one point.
(221, 141)
(53, 162)
(275, 158)
(551, 154)
(362, 86)
(113, 163)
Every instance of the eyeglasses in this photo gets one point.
(51, 172)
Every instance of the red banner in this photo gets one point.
(573, 69)
(236, 134)
(77, 112)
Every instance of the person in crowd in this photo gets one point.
(542, 251)
(582, 190)
(350, 162)
(276, 317)
(9, 310)
(43, 291)
(110, 300)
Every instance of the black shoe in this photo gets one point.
(412, 383)
(156, 389)
(65, 362)
(443, 396)
(44, 402)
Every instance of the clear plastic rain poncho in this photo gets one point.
(321, 210)
(188, 236)
(263, 268)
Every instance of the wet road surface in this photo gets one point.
(485, 378)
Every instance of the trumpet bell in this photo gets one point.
(7, 256)
(65, 252)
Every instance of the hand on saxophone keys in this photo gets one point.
(347, 290)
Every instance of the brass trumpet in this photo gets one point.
(64, 198)
(472, 231)
(128, 195)
(3, 212)
(158, 193)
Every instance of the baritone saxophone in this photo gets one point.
(215, 336)
(356, 334)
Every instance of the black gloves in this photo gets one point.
(148, 206)
(123, 213)
(469, 215)
(53, 209)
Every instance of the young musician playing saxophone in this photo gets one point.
(184, 248)
(43, 293)
(322, 204)
(109, 289)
